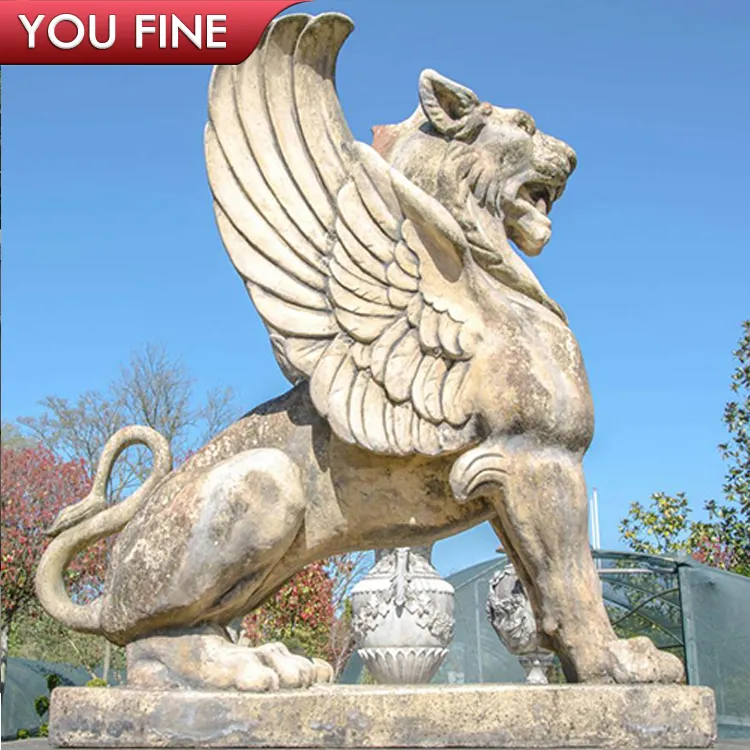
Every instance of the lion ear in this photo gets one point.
(452, 109)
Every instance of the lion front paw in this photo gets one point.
(636, 660)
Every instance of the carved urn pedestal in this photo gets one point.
(510, 614)
(403, 617)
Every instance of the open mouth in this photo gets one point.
(538, 196)
(526, 215)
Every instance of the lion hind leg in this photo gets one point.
(248, 510)
(242, 515)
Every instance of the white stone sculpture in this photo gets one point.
(512, 617)
(436, 384)
(403, 617)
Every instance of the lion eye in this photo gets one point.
(526, 122)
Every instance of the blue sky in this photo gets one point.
(109, 237)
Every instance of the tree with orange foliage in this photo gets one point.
(299, 615)
(35, 485)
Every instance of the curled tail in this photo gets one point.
(79, 526)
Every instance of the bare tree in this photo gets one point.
(12, 437)
(153, 389)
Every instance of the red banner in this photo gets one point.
(133, 32)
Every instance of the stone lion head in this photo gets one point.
(496, 172)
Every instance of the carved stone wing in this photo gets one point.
(357, 273)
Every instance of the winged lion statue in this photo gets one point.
(435, 383)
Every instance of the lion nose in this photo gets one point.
(562, 155)
(571, 156)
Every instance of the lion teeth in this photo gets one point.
(541, 205)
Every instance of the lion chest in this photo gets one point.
(532, 376)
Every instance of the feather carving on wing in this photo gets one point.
(356, 272)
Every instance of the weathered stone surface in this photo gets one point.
(521, 716)
(437, 385)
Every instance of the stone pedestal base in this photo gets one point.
(437, 716)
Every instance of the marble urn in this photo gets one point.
(403, 617)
